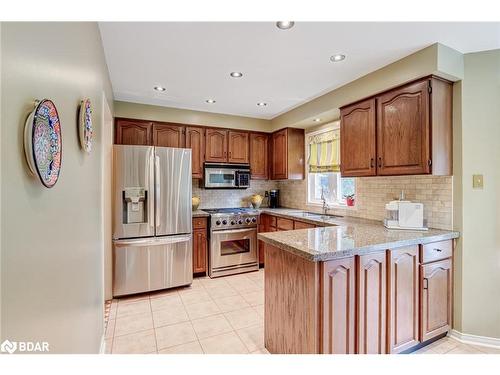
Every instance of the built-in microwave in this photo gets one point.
(226, 176)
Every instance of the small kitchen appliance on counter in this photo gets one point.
(403, 214)
(274, 197)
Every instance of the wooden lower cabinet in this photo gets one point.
(402, 292)
(372, 301)
(337, 307)
(200, 245)
(436, 285)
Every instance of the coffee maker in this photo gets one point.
(274, 196)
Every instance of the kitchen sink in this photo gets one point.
(314, 215)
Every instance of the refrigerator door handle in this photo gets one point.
(157, 190)
(151, 196)
(152, 242)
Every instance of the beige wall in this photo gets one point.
(186, 116)
(479, 257)
(52, 247)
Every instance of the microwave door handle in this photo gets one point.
(157, 190)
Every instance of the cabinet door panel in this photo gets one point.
(199, 251)
(195, 140)
(403, 144)
(372, 301)
(259, 145)
(436, 298)
(130, 132)
(238, 147)
(357, 137)
(279, 155)
(216, 145)
(403, 299)
(168, 135)
(338, 314)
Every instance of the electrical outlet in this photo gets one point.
(477, 181)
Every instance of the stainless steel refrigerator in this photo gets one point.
(152, 240)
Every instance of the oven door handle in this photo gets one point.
(236, 231)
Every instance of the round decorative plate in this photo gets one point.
(85, 125)
(43, 131)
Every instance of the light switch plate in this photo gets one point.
(477, 181)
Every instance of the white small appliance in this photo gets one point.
(403, 214)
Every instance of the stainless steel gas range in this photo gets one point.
(233, 241)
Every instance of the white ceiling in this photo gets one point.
(283, 68)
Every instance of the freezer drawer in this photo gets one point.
(143, 265)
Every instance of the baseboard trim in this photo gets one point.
(465, 338)
(102, 349)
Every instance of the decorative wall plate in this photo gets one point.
(43, 142)
(85, 125)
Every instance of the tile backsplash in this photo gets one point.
(220, 198)
(372, 193)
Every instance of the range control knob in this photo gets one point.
(233, 222)
(240, 221)
(217, 222)
(224, 222)
(254, 220)
(247, 220)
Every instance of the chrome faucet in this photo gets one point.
(323, 199)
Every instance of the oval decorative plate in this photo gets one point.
(86, 131)
(43, 142)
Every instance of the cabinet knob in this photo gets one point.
(372, 164)
(380, 162)
(438, 250)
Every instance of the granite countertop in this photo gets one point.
(345, 237)
(200, 213)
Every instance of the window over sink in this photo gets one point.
(323, 168)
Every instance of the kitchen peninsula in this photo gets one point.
(353, 286)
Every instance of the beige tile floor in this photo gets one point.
(223, 315)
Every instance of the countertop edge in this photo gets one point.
(356, 251)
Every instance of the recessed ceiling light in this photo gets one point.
(210, 101)
(285, 25)
(317, 120)
(236, 74)
(338, 57)
(159, 88)
(261, 104)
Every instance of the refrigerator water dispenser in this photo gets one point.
(134, 205)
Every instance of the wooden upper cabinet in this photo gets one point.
(259, 145)
(195, 140)
(237, 147)
(279, 155)
(133, 132)
(358, 146)
(436, 285)
(410, 132)
(403, 294)
(287, 154)
(216, 145)
(372, 303)
(403, 130)
(169, 135)
(338, 306)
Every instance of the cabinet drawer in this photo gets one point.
(302, 225)
(199, 223)
(272, 221)
(284, 224)
(436, 251)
